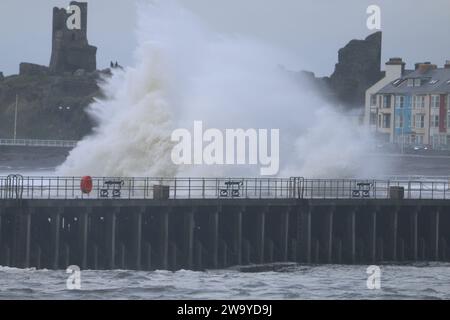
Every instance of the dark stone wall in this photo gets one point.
(31, 69)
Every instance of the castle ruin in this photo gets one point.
(70, 48)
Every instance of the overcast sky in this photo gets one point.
(314, 30)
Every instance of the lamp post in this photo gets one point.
(403, 133)
(15, 118)
(403, 130)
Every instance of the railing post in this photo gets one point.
(73, 188)
(374, 191)
(129, 187)
(57, 187)
(420, 183)
(203, 188)
(445, 189)
(42, 187)
(276, 191)
(432, 190)
(175, 189)
(409, 189)
(260, 189)
(246, 188)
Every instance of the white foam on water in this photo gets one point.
(185, 72)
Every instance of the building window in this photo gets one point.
(419, 121)
(399, 121)
(386, 101)
(417, 82)
(414, 82)
(435, 121)
(419, 102)
(435, 101)
(443, 139)
(373, 100)
(386, 121)
(400, 101)
(448, 120)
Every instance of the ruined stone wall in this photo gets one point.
(358, 68)
(70, 48)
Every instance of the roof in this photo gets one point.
(437, 82)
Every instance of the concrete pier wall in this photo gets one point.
(211, 234)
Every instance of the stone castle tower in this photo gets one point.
(70, 48)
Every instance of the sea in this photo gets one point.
(302, 282)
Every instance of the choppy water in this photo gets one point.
(426, 281)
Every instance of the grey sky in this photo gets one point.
(417, 30)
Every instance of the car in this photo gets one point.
(420, 148)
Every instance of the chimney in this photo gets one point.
(425, 67)
(395, 68)
(447, 64)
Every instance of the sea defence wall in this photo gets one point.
(108, 230)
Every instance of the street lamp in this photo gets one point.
(403, 130)
(15, 118)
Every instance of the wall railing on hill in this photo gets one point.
(38, 143)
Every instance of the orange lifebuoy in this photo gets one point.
(86, 185)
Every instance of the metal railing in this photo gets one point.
(153, 188)
(218, 188)
(376, 189)
(38, 143)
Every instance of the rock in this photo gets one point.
(358, 68)
(31, 69)
(40, 98)
(70, 48)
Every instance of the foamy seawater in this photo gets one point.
(424, 281)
